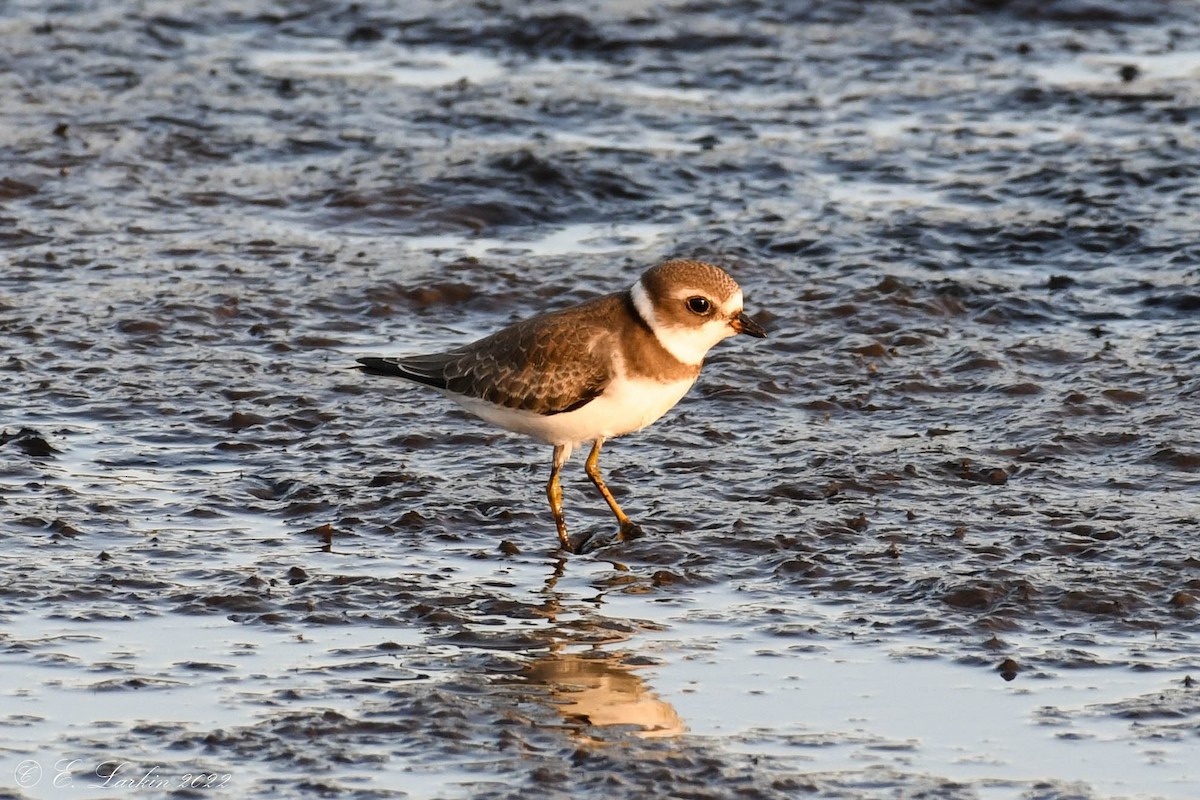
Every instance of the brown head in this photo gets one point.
(690, 306)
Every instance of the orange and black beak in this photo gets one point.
(743, 324)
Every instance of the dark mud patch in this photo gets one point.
(28, 441)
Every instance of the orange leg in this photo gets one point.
(554, 493)
(592, 466)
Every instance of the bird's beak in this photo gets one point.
(743, 324)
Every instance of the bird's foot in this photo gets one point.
(630, 531)
(581, 544)
(591, 541)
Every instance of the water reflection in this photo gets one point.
(588, 685)
(596, 688)
(582, 237)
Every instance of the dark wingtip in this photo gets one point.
(374, 365)
(397, 368)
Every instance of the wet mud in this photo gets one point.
(935, 537)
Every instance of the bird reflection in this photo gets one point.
(595, 688)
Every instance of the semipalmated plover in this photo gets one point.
(596, 370)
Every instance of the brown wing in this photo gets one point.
(549, 364)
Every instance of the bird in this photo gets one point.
(593, 371)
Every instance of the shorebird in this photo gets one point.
(590, 372)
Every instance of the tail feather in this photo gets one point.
(430, 374)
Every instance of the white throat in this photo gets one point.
(689, 345)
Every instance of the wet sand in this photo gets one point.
(935, 537)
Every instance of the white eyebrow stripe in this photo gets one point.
(733, 305)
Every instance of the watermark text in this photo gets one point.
(75, 773)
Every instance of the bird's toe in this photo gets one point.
(630, 531)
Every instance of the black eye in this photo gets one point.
(698, 305)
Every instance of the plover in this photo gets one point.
(599, 369)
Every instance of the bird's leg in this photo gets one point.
(592, 466)
(554, 493)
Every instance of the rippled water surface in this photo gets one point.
(935, 537)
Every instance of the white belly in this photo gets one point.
(627, 405)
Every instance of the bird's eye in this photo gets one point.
(698, 305)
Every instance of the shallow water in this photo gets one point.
(935, 537)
